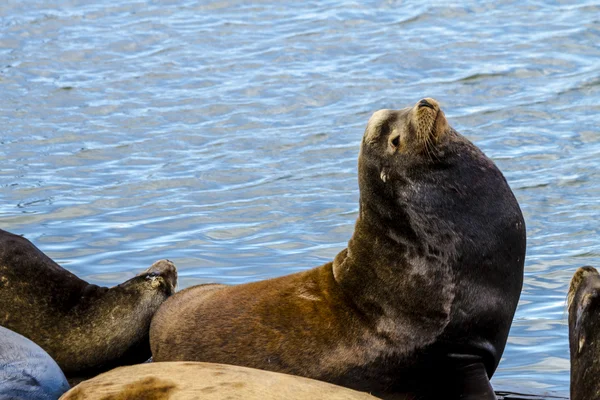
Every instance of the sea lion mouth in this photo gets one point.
(425, 103)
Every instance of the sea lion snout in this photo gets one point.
(425, 103)
(164, 269)
(430, 121)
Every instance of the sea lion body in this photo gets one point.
(584, 334)
(191, 380)
(27, 372)
(426, 289)
(84, 327)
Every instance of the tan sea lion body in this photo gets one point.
(191, 380)
(85, 328)
(426, 289)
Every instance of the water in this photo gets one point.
(224, 135)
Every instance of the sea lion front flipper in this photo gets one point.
(458, 379)
(471, 383)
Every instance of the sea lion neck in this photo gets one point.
(384, 271)
(377, 240)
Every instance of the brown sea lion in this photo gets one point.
(584, 334)
(85, 328)
(193, 380)
(420, 302)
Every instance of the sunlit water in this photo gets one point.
(224, 136)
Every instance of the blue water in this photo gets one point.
(224, 135)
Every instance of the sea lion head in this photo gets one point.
(399, 143)
(414, 164)
(584, 308)
(400, 148)
(413, 130)
(162, 276)
(584, 332)
(156, 283)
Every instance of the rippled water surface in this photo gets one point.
(224, 135)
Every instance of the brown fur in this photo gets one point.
(188, 380)
(83, 327)
(438, 231)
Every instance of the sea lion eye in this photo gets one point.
(396, 141)
(152, 275)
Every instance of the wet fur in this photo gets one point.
(429, 282)
(85, 328)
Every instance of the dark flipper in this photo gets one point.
(464, 381)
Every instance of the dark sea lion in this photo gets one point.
(85, 328)
(27, 372)
(420, 302)
(191, 380)
(584, 334)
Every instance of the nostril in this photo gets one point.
(425, 103)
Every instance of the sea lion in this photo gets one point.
(27, 372)
(425, 291)
(193, 380)
(84, 327)
(584, 333)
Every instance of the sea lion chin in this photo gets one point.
(427, 286)
(584, 333)
(84, 327)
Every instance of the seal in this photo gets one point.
(584, 333)
(84, 327)
(425, 291)
(27, 372)
(193, 380)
